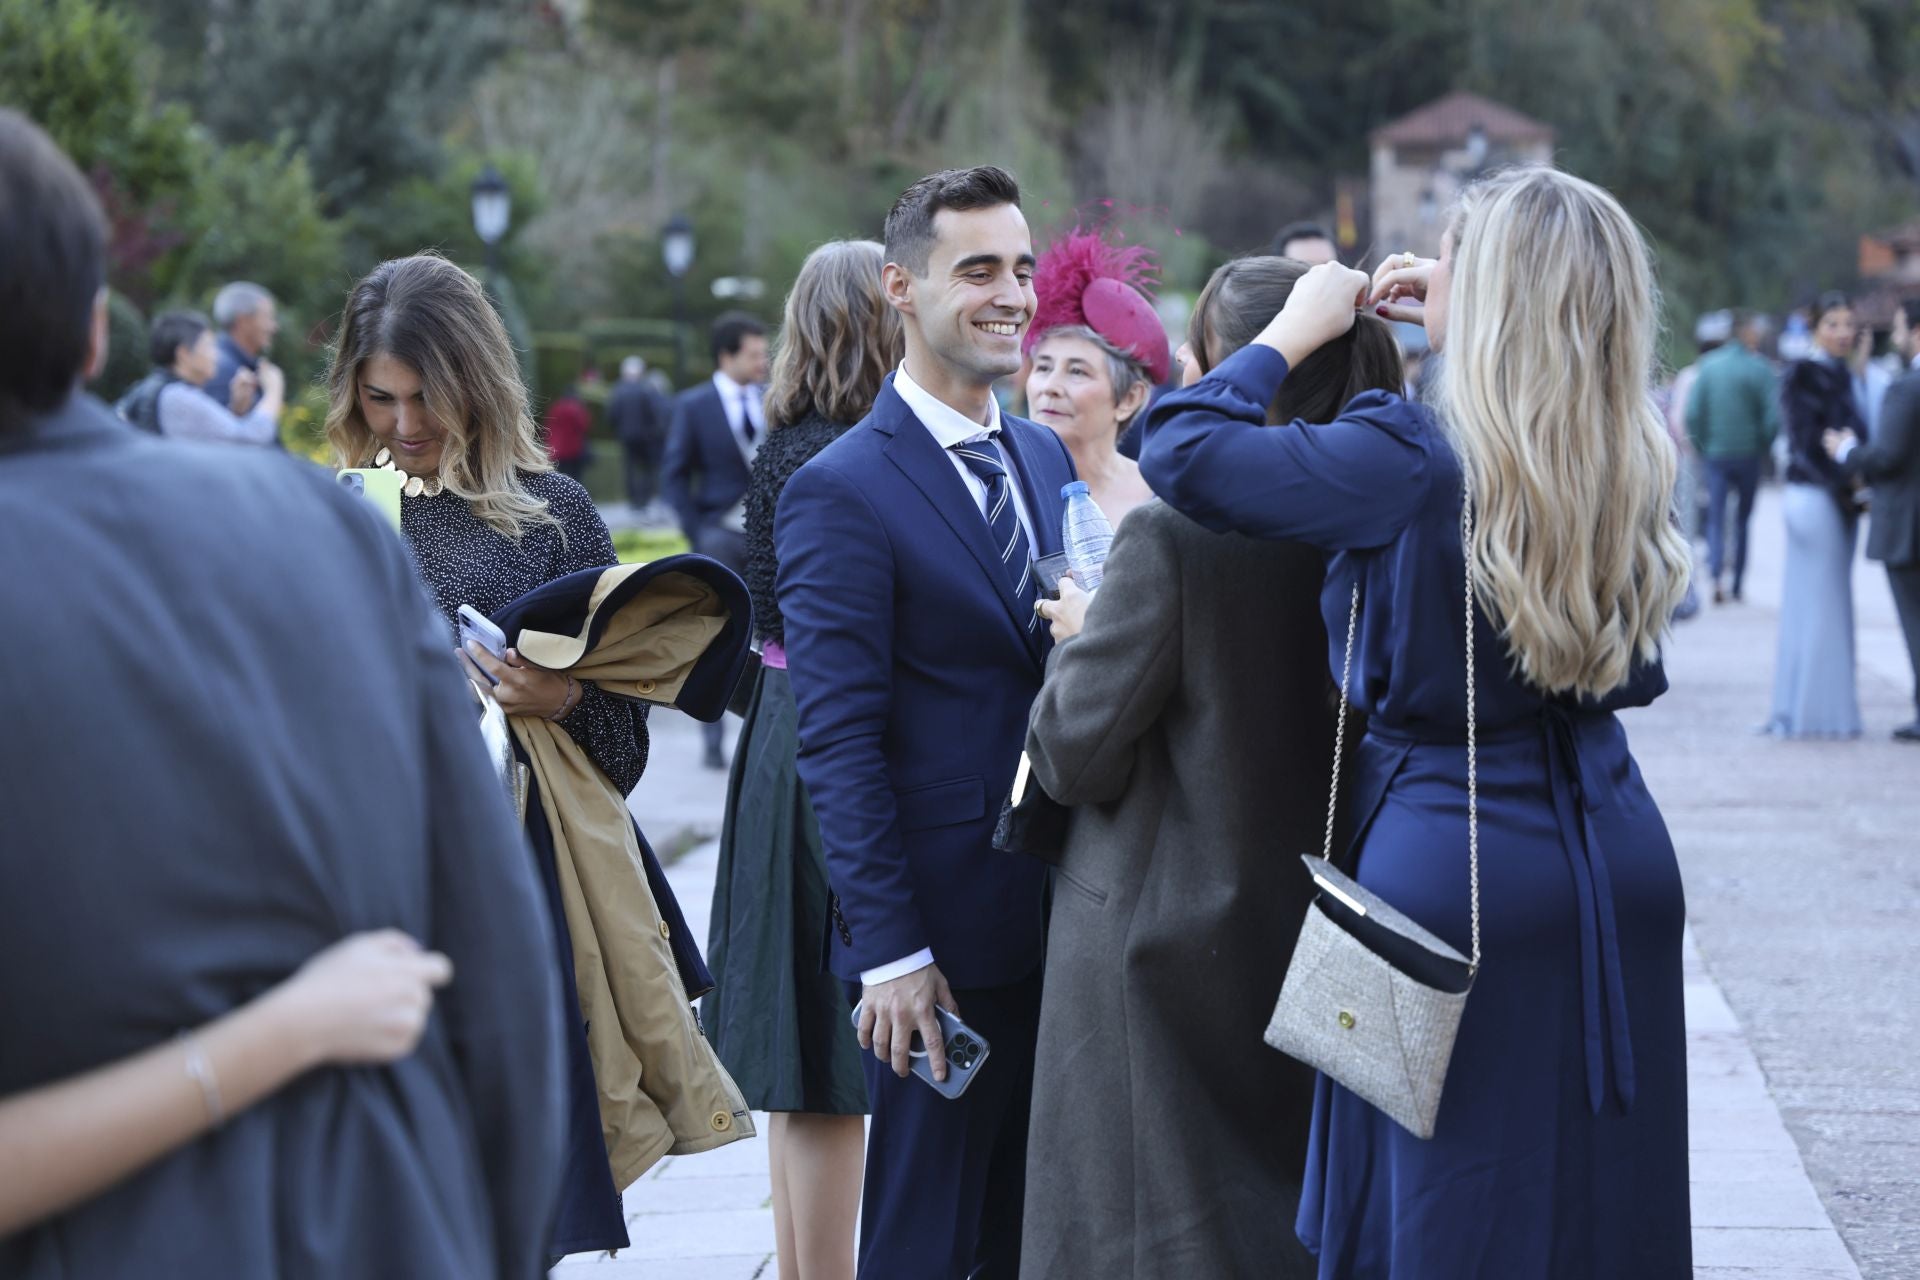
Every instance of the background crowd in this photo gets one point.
(451, 960)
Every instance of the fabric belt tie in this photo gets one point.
(1577, 794)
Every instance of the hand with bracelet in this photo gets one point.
(521, 688)
(363, 1001)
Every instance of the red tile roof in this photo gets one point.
(1447, 121)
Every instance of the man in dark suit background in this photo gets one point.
(236, 734)
(717, 428)
(1890, 462)
(915, 653)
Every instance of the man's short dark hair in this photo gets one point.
(171, 331)
(52, 267)
(910, 222)
(1298, 231)
(731, 330)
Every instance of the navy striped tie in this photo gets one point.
(1009, 539)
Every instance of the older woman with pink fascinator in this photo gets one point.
(1096, 349)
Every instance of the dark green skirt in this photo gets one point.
(779, 1021)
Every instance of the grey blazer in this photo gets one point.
(234, 734)
(1191, 726)
(1890, 462)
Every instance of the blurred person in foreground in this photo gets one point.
(907, 589)
(424, 382)
(1095, 350)
(252, 746)
(1190, 724)
(169, 400)
(1561, 1141)
(778, 1019)
(639, 416)
(248, 319)
(1306, 242)
(1815, 694)
(718, 425)
(1891, 464)
(1732, 414)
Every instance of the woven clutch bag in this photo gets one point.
(1371, 999)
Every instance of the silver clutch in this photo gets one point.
(1371, 999)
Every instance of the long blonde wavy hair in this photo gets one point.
(1545, 390)
(434, 318)
(838, 339)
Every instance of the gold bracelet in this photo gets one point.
(201, 1071)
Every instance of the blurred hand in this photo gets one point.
(1835, 442)
(891, 1012)
(1319, 309)
(1068, 614)
(242, 392)
(365, 999)
(522, 689)
(273, 381)
(1399, 291)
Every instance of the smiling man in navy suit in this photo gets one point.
(906, 580)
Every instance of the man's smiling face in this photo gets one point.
(976, 298)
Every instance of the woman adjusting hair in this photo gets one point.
(1490, 666)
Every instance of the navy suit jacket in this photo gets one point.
(914, 673)
(704, 474)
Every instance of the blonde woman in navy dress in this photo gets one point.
(1561, 1146)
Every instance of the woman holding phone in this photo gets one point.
(1561, 1141)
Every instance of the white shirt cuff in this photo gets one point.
(898, 969)
(1846, 451)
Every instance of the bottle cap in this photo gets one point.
(1073, 487)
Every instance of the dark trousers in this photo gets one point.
(947, 1178)
(1905, 580)
(642, 475)
(1739, 477)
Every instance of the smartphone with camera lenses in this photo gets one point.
(378, 486)
(966, 1053)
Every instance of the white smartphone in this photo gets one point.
(478, 628)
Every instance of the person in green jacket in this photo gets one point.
(1733, 414)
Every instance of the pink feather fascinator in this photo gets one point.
(1082, 279)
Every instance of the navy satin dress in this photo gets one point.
(1561, 1146)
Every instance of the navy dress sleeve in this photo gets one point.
(1349, 484)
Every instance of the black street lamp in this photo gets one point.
(492, 213)
(676, 251)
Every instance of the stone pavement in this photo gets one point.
(1801, 1034)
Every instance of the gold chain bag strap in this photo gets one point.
(1371, 999)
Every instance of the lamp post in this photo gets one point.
(492, 213)
(676, 251)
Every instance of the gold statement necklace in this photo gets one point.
(415, 485)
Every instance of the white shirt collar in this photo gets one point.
(729, 389)
(947, 424)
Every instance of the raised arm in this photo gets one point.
(1347, 484)
(1106, 687)
(188, 413)
(1891, 451)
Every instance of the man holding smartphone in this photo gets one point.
(906, 580)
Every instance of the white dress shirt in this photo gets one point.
(949, 428)
(742, 405)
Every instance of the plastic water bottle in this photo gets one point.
(1086, 535)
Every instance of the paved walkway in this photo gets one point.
(1755, 822)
